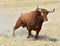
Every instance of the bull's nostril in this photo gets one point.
(46, 19)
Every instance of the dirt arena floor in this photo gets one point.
(9, 12)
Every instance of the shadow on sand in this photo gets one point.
(46, 38)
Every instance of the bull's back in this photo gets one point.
(27, 17)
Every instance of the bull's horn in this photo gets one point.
(37, 7)
(52, 11)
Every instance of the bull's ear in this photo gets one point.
(47, 12)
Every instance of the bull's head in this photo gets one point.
(44, 13)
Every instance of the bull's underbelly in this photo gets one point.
(35, 28)
(32, 27)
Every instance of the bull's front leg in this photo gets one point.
(29, 33)
(37, 32)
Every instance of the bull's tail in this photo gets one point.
(18, 24)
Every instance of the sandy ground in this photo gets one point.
(50, 33)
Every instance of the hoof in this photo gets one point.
(32, 36)
(28, 36)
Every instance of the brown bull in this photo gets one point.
(32, 20)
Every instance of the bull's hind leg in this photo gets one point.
(13, 31)
(18, 24)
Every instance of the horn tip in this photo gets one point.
(54, 9)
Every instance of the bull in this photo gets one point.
(32, 21)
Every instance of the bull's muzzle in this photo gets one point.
(45, 19)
